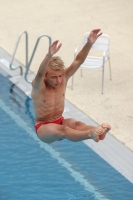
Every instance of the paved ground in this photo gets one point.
(68, 21)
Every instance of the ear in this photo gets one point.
(46, 74)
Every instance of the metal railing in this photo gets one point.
(34, 50)
(27, 64)
(26, 51)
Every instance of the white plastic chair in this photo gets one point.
(101, 46)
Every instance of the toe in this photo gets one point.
(106, 125)
(97, 139)
(102, 136)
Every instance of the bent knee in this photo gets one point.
(78, 124)
(64, 130)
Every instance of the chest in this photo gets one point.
(49, 97)
(52, 96)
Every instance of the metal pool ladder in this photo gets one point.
(27, 64)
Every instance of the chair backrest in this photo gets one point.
(102, 43)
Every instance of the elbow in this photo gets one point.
(79, 61)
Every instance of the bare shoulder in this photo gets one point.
(37, 82)
(37, 88)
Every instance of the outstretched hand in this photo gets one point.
(94, 34)
(54, 47)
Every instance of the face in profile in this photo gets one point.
(54, 77)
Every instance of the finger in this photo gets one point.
(59, 46)
(96, 30)
(55, 42)
(99, 34)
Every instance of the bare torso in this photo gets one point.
(48, 102)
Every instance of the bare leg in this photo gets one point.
(78, 125)
(51, 132)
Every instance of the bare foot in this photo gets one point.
(99, 133)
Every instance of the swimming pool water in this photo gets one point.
(30, 169)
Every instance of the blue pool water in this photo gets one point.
(30, 169)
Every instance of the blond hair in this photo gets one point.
(56, 63)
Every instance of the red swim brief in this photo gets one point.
(58, 121)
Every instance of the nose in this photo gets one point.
(58, 79)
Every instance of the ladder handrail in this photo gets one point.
(34, 50)
(15, 49)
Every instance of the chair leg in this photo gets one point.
(72, 82)
(102, 79)
(110, 70)
(81, 72)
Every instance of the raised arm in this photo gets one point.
(53, 48)
(81, 56)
